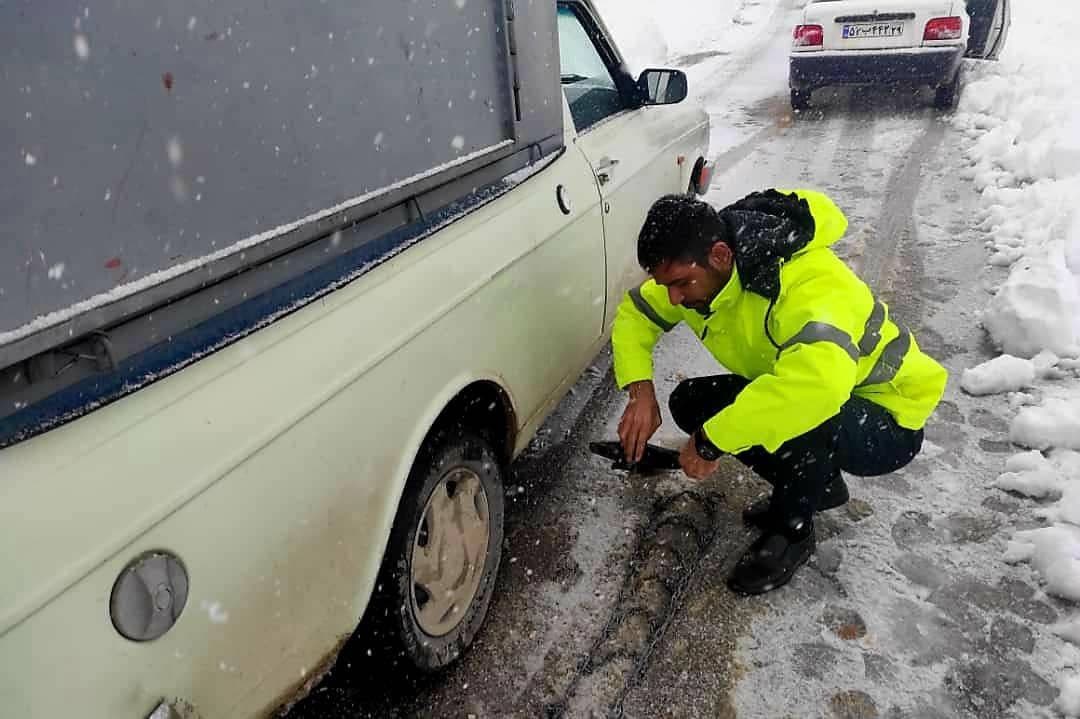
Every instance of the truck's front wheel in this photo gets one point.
(444, 550)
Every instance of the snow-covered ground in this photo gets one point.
(1022, 116)
(654, 34)
(708, 39)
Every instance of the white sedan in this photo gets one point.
(918, 42)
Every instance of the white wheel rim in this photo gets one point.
(449, 552)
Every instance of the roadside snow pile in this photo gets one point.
(1022, 115)
(1055, 553)
(1001, 374)
(1069, 701)
(1007, 373)
(1055, 424)
(1034, 475)
(1038, 306)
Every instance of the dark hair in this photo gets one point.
(681, 228)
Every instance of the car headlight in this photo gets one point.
(149, 596)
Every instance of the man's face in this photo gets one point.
(695, 285)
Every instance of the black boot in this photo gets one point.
(757, 513)
(772, 559)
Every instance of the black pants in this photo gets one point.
(863, 439)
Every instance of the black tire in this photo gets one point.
(800, 99)
(946, 95)
(395, 604)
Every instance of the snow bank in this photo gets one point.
(1069, 630)
(1034, 483)
(1037, 307)
(1001, 374)
(1055, 553)
(1072, 247)
(1035, 475)
(1022, 116)
(1055, 424)
(1068, 703)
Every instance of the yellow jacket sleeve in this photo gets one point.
(644, 314)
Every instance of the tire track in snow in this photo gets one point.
(669, 551)
(894, 246)
(771, 114)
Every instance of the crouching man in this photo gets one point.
(822, 379)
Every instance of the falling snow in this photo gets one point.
(175, 151)
(214, 611)
(82, 46)
(179, 189)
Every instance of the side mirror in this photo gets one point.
(662, 87)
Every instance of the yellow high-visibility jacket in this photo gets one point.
(807, 342)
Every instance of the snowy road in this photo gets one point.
(611, 600)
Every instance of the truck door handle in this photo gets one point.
(602, 167)
(561, 197)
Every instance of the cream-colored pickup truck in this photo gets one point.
(193, 523)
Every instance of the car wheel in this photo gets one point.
(800, 99)
(946, 96)
(443, 556)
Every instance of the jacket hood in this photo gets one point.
(769, 228)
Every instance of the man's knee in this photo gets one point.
(681, 404)
(698, 399)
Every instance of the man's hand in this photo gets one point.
(693, 464)
(640, 420)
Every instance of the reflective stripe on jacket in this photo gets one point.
(832, 340)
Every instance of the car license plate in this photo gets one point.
(873, 29)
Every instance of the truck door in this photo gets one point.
(621, 140)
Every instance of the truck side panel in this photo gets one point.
(273, 467)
